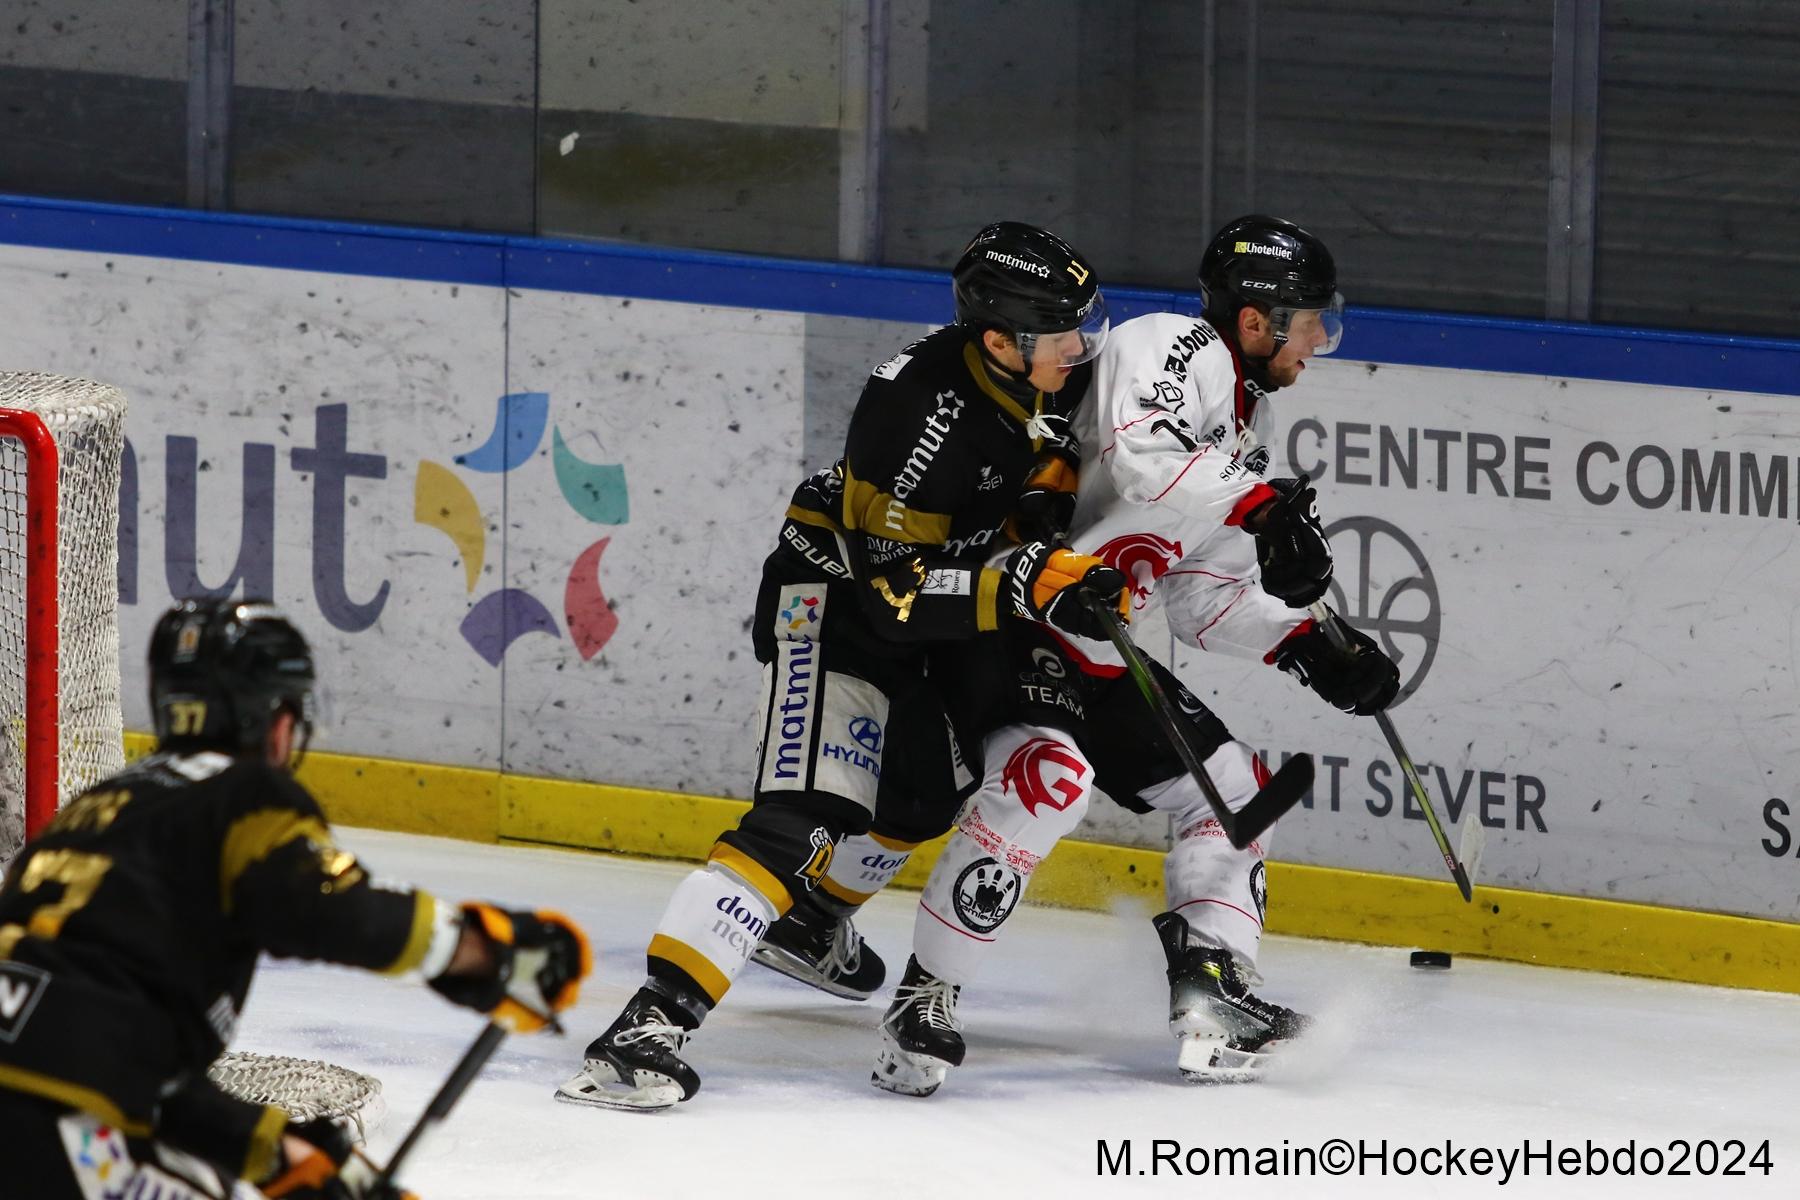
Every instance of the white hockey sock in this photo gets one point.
(1036, 789)
(713, 922)
(862, 865)
(1221, 891)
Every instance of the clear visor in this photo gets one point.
(1070, 346)
(1320, 328)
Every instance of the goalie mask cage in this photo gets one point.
(61, 441)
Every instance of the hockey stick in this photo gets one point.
(461, 1076)
(1328, 621)
(1284, 789)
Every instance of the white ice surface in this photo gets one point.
(1067, 1046)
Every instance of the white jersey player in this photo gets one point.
(1174, 492)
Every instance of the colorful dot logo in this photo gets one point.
(800, 611)
(595, 491)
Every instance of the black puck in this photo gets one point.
(1431, 960)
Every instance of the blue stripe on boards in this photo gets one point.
(1690, 360)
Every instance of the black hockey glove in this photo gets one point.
(1359, 679)
(1046, 502)
(320, 1162)
(1045, 585)
(1046, 506)
(1290, 544)
(539, 960)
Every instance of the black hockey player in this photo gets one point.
(1176, 494)
(881, 558)
(130, 927)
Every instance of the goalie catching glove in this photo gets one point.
(539, 960)
(319, 1162)
(1046, 585)
(1359, 679)
(1290, 543)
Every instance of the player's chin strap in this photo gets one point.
(1014, 384)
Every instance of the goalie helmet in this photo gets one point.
(220, 670)
(1276, 266)
(1026, 281)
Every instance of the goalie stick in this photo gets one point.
(1284, 789)
(1328, 621)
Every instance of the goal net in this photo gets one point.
(61, 728)
(306, 1088)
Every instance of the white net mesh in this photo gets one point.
(87, 422)
(305, 1087)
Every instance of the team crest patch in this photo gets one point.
(21, 987)
(819, 862)
(986, 893)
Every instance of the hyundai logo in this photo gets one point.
(866, 733)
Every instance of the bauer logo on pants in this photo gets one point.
(21, 987)
(986, 893)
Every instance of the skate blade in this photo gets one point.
(905, 1073)
(1208, 1061)
(597, 1085)
(804, 972)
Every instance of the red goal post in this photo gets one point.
(61, 724)
(35, 551)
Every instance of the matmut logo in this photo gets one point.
(1022, 264)
(1143, 558)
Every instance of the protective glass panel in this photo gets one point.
(93, 99)
(1699, 165)
(713, 127)
(415, 111)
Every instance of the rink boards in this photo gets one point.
(518, 494)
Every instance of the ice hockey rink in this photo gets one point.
(1067, 1050)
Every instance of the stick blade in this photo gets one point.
(1286, 788)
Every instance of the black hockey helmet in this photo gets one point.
(1276, 266)
(220, 670)
(1026, 281)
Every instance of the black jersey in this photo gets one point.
(937, 453)
(130, 927)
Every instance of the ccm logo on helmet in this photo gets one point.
(1010, 260)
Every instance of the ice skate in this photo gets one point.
(920, 1036)
(822, 949)
(634, 1065)
(1226, 1033)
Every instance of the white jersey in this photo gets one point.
(1172, 459)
